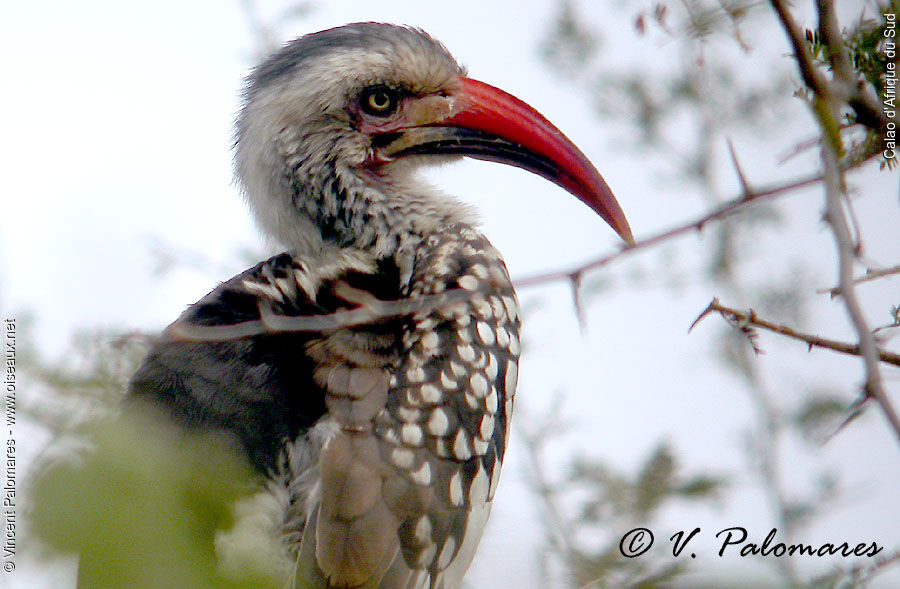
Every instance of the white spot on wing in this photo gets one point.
(485, 333)
(479, 489)
(411, 434)
(415, 374)
(479, 385)
(491, 368)
(447, 382)
(512, 377)
(498, 310)
(490, 402)
(430, 342)
(495, 479)
(482, 307)
(422, 476)
(264, 289)
(390, 434)
(468, 282)
(486, 428)
(408, 414)
(438, 424)
(456, 492)
(466, 353)
(425, 324)
(461, 448)
(440, 448)
(427, 556)
(502, 337)
(447, 553)
(422, 530)
(402, 457)
(513, 344)
(512, 308)
(431, 394)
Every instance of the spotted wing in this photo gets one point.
(260, 388)
(388, 434)
(446, 422)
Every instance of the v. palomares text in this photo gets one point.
(736, 540)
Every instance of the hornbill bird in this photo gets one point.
(368, 372)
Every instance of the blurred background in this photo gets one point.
(118, 211)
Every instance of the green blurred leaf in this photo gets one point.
(654, 482)
(142, 504)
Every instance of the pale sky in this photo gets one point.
(116, 135)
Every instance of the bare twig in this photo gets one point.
(372, 311)
(811, 75)
(834, 194)
(862, 574)
(813, 341)
(745, 186)
(895, 321)
(805, 145)
(827, 109)
(869, 275)
(724, 210)
(869, 111)
(577, 301)
(834, 45)
(536, 437)
(855, 409)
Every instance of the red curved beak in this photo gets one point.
(490, 124)
(492, 111)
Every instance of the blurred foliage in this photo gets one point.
(676, 113)
(88, 382)
(140, 503)
(266, 30)
(618, 503)
(593, 506)
(135, 479)
(863, 42)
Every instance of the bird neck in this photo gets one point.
(384, 213)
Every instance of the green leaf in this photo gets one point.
(142, 505)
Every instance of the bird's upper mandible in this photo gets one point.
(368, 372)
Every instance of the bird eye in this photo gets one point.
(378, 100)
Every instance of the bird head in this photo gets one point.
(334, 123)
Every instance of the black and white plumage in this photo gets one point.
(369, 372)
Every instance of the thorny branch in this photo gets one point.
(743, 319)
(575, 275)
(366, 312)
(834, 195)
(846, 86)
(869, 275)
(827, 105)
